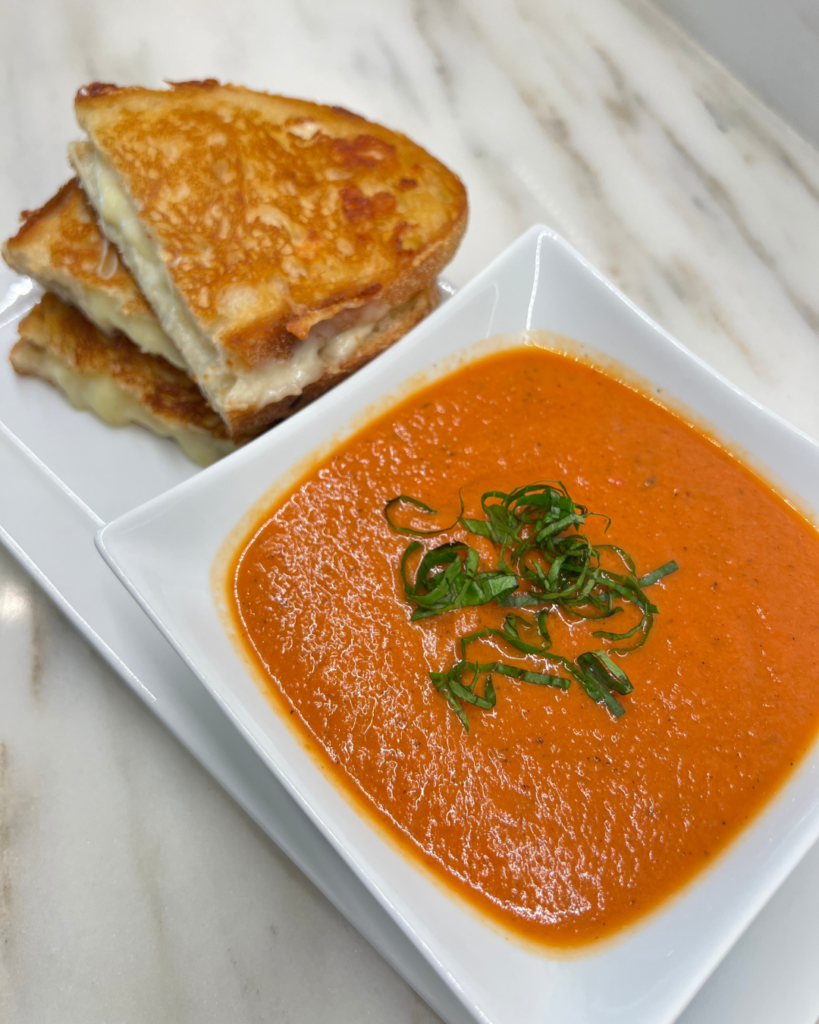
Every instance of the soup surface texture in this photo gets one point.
(560, 821)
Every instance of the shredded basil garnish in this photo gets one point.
(456, 586)
(405, 499)
(544, 561)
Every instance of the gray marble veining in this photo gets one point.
(131, 888)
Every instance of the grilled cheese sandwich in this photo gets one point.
(276, 240)
(62, 248)
(109, 376)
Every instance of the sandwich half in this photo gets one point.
(278, 241)
(62, 248)
(111, 377)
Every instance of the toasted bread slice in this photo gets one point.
(259, 227)
(63, 249)
(111, 377)
(342, 356)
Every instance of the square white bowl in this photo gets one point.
(164, 552)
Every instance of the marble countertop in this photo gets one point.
(131, 888)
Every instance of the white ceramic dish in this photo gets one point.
(61, 472)
(164, 552)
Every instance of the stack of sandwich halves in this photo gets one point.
(224, 256)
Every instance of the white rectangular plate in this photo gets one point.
(164, 551)
(62, 473)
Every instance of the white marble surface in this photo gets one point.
(772, 45)
(131, 888)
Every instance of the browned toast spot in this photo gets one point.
(267, 210)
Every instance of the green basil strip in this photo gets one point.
(444, 554)
(410, 551)
(472, 698)
(541, 528)
(406, 499)
(605, 635)
(511, 635)
(652, 577)
(478, 527)
(626, 558)
(598, 691)
(541, 620)
(466, 640)
(487, 586)
(525, 600)
(512, 671)
(440, 680)
(543, 680)
(622, 683)
(593, 664)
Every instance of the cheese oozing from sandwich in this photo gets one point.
(62, 248)
(112, 378)
(230, 388)
(103, 310)
(276, 239)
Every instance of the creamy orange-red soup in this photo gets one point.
(561, 821)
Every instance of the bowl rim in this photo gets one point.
(107, 539)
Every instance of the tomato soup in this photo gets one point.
(557, 819)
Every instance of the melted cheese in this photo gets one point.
(104, 311)
(121, 224)
(141, 328)
(308, 361)
(117, 407)
(227, 387)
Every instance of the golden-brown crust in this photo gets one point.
(62, 243)
(272, 214)
(164, 390)
(94, 89)
(394, 326)
(202, 83)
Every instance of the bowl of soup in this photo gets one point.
(520, 614)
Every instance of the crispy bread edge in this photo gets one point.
(248, 424)
(279, 341)
(266, 339)
(69, 337)
(12, 250)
